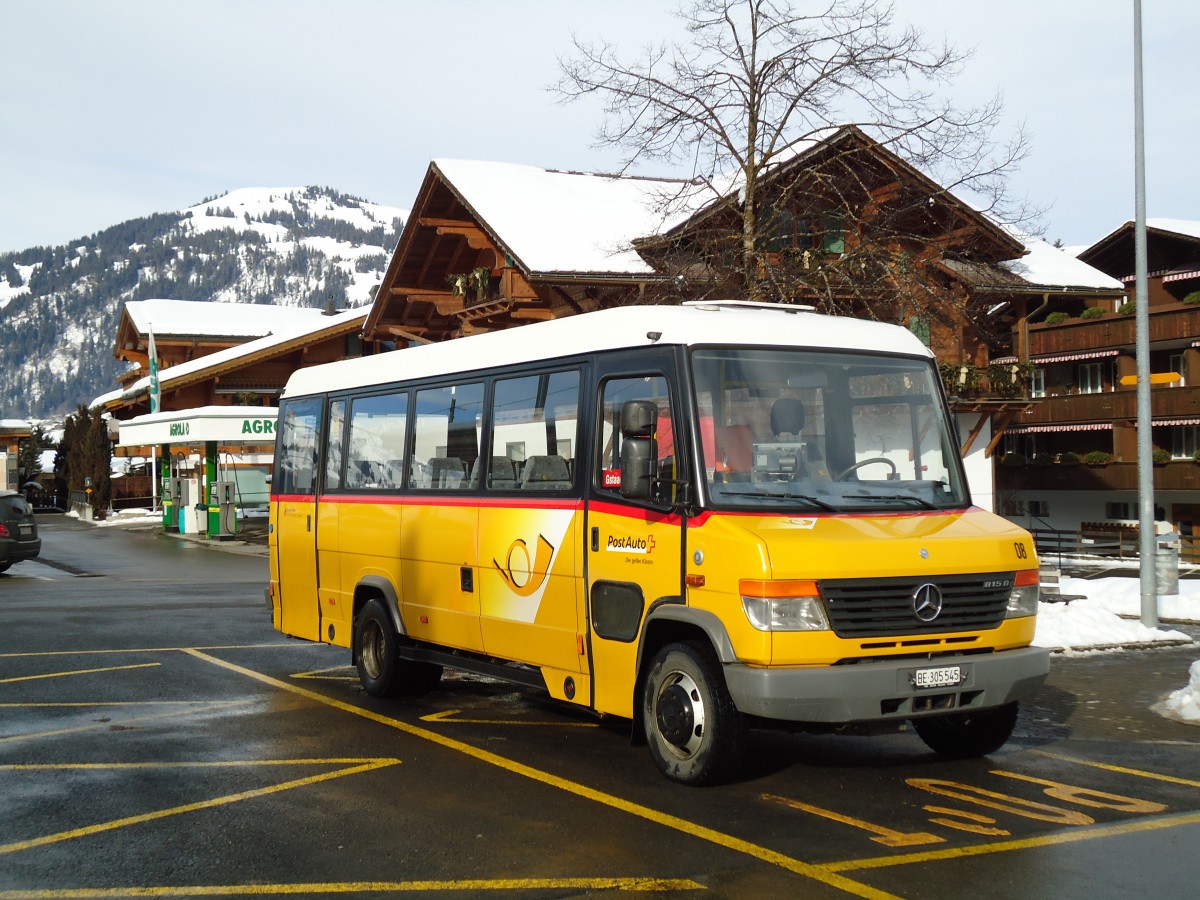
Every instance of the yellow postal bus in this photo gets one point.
(701, 518)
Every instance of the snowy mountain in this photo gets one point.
(59, 306)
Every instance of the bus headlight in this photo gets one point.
(1023, 601)
(784, 605)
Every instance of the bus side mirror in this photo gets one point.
(638, 421)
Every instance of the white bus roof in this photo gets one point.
(718, 323)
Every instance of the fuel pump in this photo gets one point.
(170, 520)
(222, 510)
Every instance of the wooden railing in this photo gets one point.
(1165, 402)
(1177, 475)
(1112, 330)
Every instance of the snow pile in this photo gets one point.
(1122, 597)
(1184, 704)
(1080, 626)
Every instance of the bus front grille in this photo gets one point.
(879, 607)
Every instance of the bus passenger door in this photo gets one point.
(294, 518)
(633, 547)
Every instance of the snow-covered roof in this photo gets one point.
(1183, 227)
(555, 221)
(224, 357)
(1045, 264)
(195, 317)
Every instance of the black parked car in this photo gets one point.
(18, 530)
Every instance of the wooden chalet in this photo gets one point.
(185, 330)
(249, 373)
(494, 245)
(1073, 457)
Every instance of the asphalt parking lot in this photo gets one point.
(158, 738)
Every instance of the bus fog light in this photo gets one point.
(785, 613)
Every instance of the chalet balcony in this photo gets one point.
(1167, 323)
(1113, 406)
(1177, 475)
(994, 382)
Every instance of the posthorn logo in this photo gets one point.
(927, 602)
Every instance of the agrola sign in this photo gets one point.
(223, 424)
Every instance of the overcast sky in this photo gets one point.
(120, 109)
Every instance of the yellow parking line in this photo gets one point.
(1108, 767)
(1049, 840)
(819, 873)
(100, 827)
(367, 887)
(77, 672)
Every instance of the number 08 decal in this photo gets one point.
(1022, 553)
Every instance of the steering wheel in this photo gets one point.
(895, 473)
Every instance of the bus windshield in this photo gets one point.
(824, 432)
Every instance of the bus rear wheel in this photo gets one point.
(968, 734)
(695, 733)
(380, 669)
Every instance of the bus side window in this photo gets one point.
(333, 451)
(607, 475)
(378, 430)
(535, 428)
(298, 442)
(446, 436)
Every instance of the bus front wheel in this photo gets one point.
(695, 733)
(968, 734)
(380, 668)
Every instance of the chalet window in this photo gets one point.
(1175, 364)
(1091, 378)
(1117, 511)
(919, 325)
(1185, 441)
(834, 238)
(1037, 383)
(779, 228)
(1039, 508)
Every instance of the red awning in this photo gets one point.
(1068, 357)
(1079, 426)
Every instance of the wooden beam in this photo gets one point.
(515, 286)
(966, 447)
(406, 333)
(533, 314)
(467, 230)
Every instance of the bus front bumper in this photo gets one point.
(887, 689)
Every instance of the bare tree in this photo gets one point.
(760, 83)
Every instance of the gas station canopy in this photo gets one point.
(223, 424)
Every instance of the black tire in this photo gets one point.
(380, 670)
(968, 734)
(696, 734)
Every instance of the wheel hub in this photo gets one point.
(676, 716)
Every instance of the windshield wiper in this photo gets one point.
(921, 501)
(766, 495)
